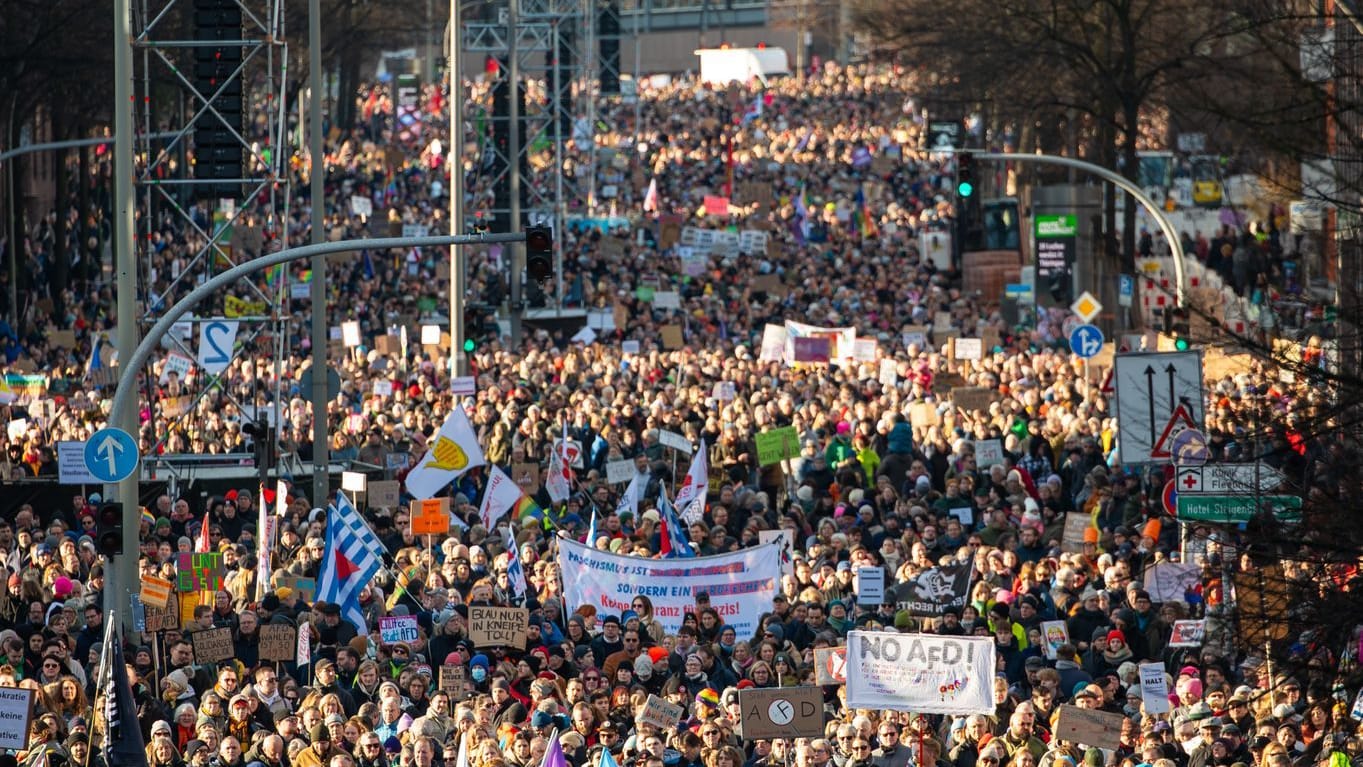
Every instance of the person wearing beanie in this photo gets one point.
(1109, 654)
(320, 749)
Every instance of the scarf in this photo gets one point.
(1117, 658)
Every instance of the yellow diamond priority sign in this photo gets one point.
(1086, 307)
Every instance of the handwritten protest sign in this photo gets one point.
(213, 645)
(278, 642)
(200, 571)
(498, 626)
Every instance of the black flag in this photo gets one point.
(934, 590)
(123, 744)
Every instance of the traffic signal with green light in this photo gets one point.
(1181, 344)
(965, 175)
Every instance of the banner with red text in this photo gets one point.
(740, 585)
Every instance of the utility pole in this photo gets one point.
(459, 362)
(321, 479)
(118, 594)
(517, 259)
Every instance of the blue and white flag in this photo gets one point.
(514, 572)
(352, 558)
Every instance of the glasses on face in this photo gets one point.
(888, 734)
(860, 749)
(49, 665)
(399, 652)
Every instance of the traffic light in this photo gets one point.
(539, 253)
(965, 175)
(261, 441)
(109, 530)
(473, 327)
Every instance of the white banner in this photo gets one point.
(923, 673)
(741, 585)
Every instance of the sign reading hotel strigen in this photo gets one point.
(923, 673)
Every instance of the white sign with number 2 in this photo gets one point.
(216, 339)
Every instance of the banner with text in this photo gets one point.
(741, 585)
(923, 673)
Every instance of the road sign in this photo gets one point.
(1236, 508)
(1190, 448)
(783, 712)
(1150, 387)
(1170, 497)
(111, 455)
(333, 383)
(1179, 422)
(944, 135)
(1228, 479)
(1086, 341)
(1126, 290)
(1086, 307)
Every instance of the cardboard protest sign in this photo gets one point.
(1089, 727)
(782, 712)
(213, 645)
(972, 398)
(155, 592)
(672, 336)
(498, 626)
(452, 678)
(278, 642)
(431, 516)
(1072, 539)
(660, 713)
(527, 477)
(384, 493)
(200, 571)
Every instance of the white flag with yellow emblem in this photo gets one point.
(454, 451)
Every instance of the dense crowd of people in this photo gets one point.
(887, 476)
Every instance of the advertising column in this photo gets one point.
(1056, 237)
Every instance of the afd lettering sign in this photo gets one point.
(923, 673)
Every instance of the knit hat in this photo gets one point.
(708, 697)
(1117, 635)
(478, 660)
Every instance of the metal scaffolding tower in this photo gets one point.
(561, 54)
(210, 74)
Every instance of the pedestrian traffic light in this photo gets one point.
(109, 530)
(965, 175)
(473, 327)
(539, 253)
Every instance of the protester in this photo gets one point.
(989, 495)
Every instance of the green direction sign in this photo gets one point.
(1052, 227)
(1236, 508)
(777, 445)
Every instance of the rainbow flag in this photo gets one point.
(526, 507)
